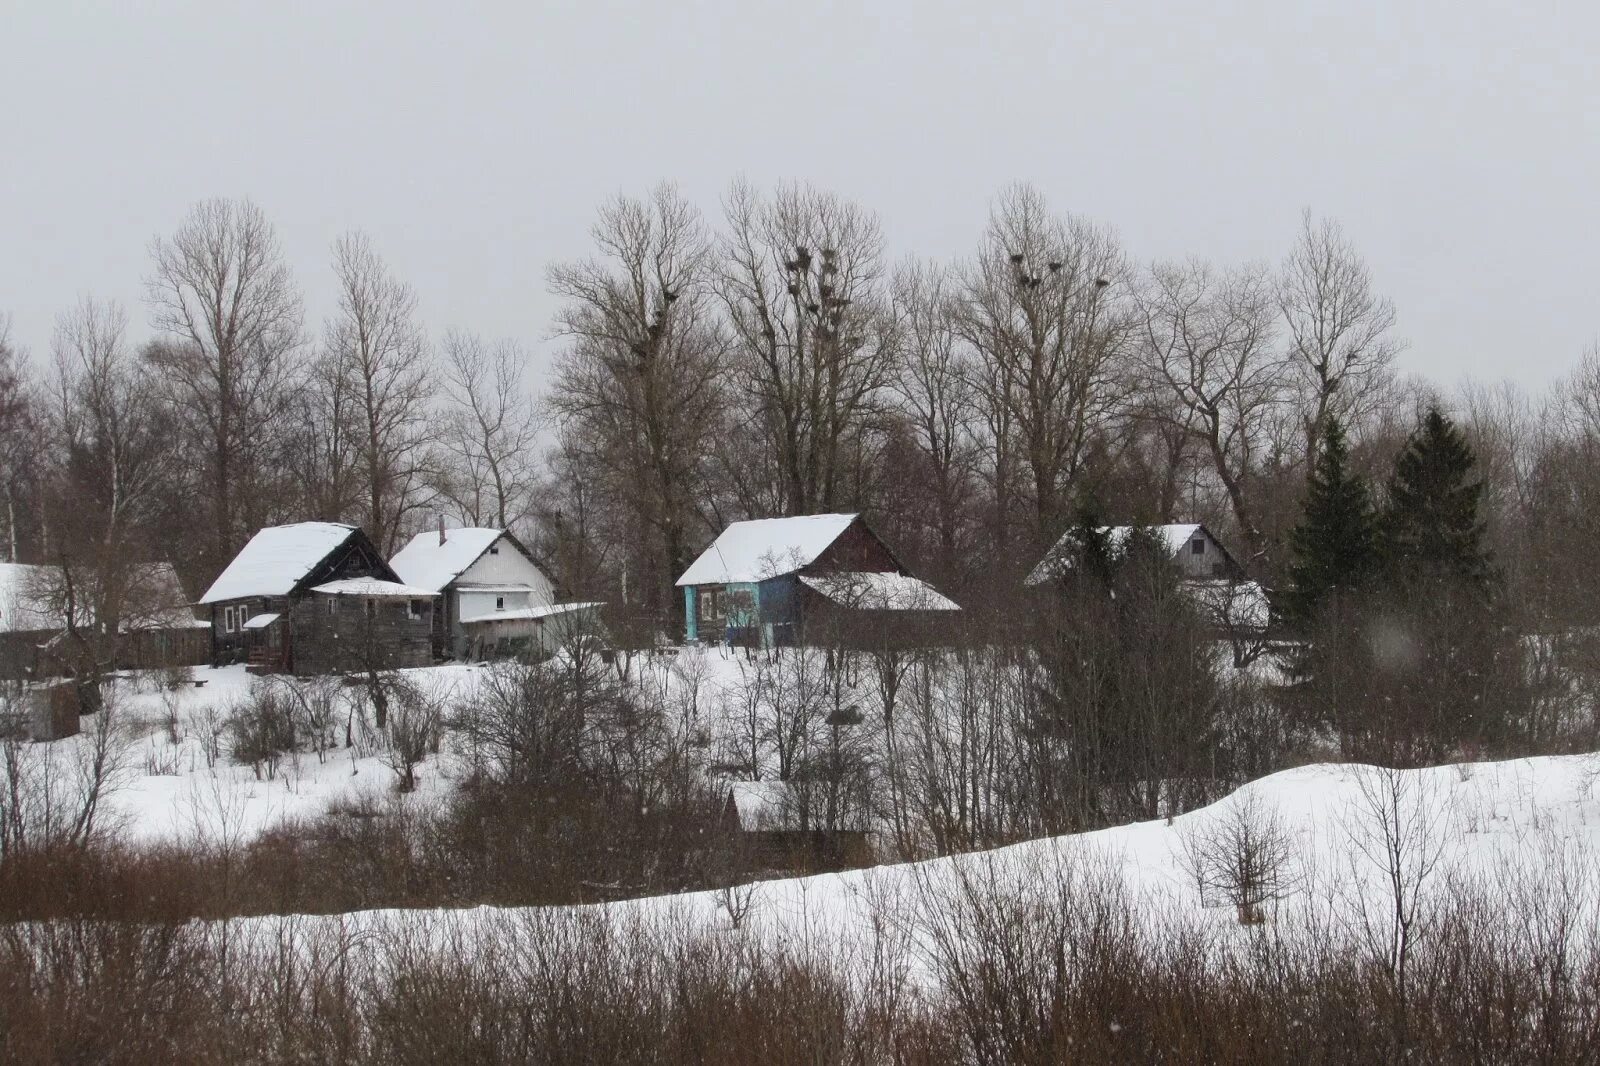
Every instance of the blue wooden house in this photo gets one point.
(766, 582)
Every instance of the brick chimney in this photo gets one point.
(441, 530)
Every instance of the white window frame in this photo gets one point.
(227, 619)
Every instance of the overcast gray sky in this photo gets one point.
(1457, 142)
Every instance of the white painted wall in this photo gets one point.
(508, 567)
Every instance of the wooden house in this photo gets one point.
(1210, 574)
(494, 600)
(784, 826)
(155, 627)
(317, 597)
(808, 579)
(26, 621)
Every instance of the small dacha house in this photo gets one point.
(494, 600)
(317, 597)
(809, 579)
(1209, 573)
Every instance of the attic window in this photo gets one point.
(1198, 546)
(494, 549)
(499, 603)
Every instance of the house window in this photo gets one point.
(494, 549)
(227, 620)
(1198, 546)
(333, 605)
(499, 603)
(414, 608)
(372, 608)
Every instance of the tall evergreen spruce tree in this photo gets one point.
(1449, 672)
(1336, 543)
(1430, 528)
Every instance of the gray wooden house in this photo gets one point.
(317, 597)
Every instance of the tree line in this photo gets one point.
(773, 361)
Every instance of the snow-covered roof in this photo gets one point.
(765, 548)
(277, 559)
(764, 804)
(880, 592)
(373, 587)
(31, 599)
(426, 563)
(260, 621)
(156, 600)
(528, 614)
(23, 606)
(1175, 536)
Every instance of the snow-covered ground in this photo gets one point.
(1339, 828)
(168, 788)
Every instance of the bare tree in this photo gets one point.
(933, 381)
(1241, 855)
(1340, 349)
(1397, 827)
(813, 335)
(640, 382)
(378, 358)
(107, 483)
(490, 431)
(19, 441)
(1048, 341)
(1208, 356)
(323, 454)
(221, 292)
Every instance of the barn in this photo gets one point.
(816, 579)
(317, 597)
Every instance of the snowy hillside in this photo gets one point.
(1528, 826)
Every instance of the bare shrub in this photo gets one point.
(1241, 857)
(415, 726)
(261, 731)
(738, 902)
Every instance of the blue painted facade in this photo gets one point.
(764, 612)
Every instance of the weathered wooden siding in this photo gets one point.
(355, 634)
(857, 548)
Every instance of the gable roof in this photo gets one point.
(31, 599)
(765, 548)
(277, 559)
(426, 563)
(23, 607)
(158, 600)
(1174, 536)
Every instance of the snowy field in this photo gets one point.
(169, 787)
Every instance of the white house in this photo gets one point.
(494, 595)
(1194, 551)
(1239, 608)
